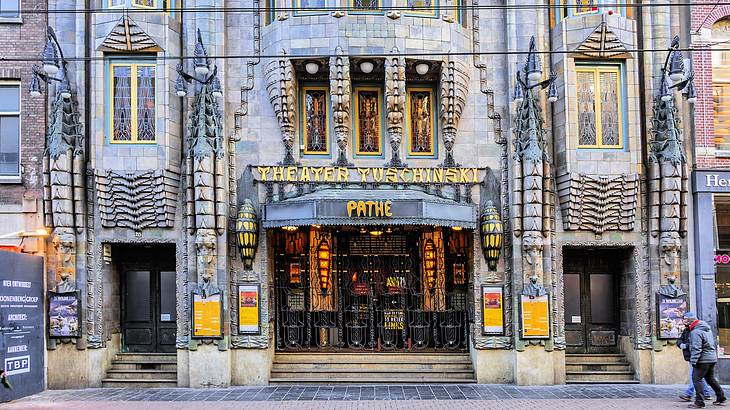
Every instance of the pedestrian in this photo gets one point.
(4, 379)
(703, 359)
(683, 343)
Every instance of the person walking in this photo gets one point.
(703, 359)
(683, 343)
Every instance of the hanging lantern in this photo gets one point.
(247, 233)
(323, 264)
(429, 263)
(491, 229)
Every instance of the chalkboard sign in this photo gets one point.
(21, 324)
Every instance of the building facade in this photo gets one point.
(267, 182)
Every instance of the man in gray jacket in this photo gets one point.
(703, 358)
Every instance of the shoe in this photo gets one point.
(696, 406)
(719, 402)
(685, 397)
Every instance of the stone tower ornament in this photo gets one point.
(395, 102)
(454, 88)
(340, 96)
(280, 85)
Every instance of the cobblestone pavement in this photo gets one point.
(452, 397)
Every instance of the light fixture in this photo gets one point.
(429, 263)
(49, 56)
(534, 66)
(215, 87)
(35, 86)
(376, 232)
(389, 230)
(323, 264)
(200, 58)
(65, 87)
(664, 91)
(676, 66)
(247, 233)
(363, 230)
(519, 93)
(691, 92)
(312, 67)
(552, 92)
(315, 226)
(181, 86)
(422, 68)
(290, 228)
(456, 228)
(366, 66)
(41, 232)
(492, 235)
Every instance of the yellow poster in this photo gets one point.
(535, 316)
(206, 316)
(492, 310)
(248, 309)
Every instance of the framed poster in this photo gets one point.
(535, 316)
(249, 309)
(670, 311)
(492, 310)
(207, 315)
(64, 314)
(394, 319)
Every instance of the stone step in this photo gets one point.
(370, 358)
(594, 358)
(618, 366)
(602, 381)
(147, 356)
(144, 365)
(138, 383)
(141, 374)
(380, 373)
(363, 366)
(606, 375)
(359, 380)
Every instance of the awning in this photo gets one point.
(369, 207)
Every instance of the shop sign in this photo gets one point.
(369, 209)
(249, 310)
(207, 316)
(492, 310)
(394, 319)
(711, 181)
(723, 259)
(535, 312)
(64, 314)
(295, 174)
(670, 311)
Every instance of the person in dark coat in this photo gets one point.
(683, 343)
(703, 359)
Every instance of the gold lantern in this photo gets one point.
(247, 233)
(323, 264)
(429, 263)
(492, 232)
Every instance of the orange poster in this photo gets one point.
(535, 316)
(492, 310)
(206, 316)
(248, 309)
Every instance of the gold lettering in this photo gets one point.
(317, 172)
(428, 175)
(329, 174)
(379, 207)
(406, 174)
(363, 174)
(343, 174)
(361, 208)
(464, 175)
(351, 205)
(451, 175)
(291, 174)
(370, 207)
(438, 175)
(391, 175)
(278, 174)
(264, 171)
(387, 209)
(378, 174)
(304, 177)
(476, 175)
(417, 175)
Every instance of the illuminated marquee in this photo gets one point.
(369, 209)
(364, 175)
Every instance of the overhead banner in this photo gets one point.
(249, 310)
(21, 324)
(492, 310)
(535, 312)
(207, 316)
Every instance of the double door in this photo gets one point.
(149, 311)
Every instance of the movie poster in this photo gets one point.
(207, 315)
(492, 310)
(535, 316)
(670, 314)
(63, 314)
(248, 309)
(394, 319)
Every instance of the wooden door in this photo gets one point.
(149, 314)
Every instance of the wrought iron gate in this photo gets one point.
(377, 296)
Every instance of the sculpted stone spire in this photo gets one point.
(340, 95)
(454, 88)
(395, 97)
(280, 85)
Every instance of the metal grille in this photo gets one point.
(378, 245)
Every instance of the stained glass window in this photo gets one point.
(144, 3)
(586, 6)
(421, 121)
(599, 107)
(421, 7)
(133, 103)
(316, 135)
(368, 131)
(366, 5)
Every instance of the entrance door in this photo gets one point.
(590, 280)
(148, 312)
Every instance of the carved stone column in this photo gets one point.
(340, 95)
(280, 84)
(395, 98)
(454, 88)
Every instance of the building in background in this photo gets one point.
(261, 192)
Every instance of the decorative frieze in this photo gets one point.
(127, 36)
(602, 43)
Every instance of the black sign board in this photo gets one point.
(21, 324)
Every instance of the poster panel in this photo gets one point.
(535, 312)
(207, 316)
(249, 309)
(394, 319)
(670, 312)
(492, 310)
(64, 314)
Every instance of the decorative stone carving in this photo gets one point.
(206, 263)
(393, 14)
(598, 203)
(454, 88)
(602, 43)
(338, 14)
(127, 36)
(64, 243)
(280, 84)
(395, 98)
(340, 95)
(137, 200)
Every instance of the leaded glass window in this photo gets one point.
(315, 121)
(365, 5)
(310, 5)
(599, 107)
(144, 3)
(586, 6)
(133, 88)
(421, 121)
(367, 117)
(423, 7)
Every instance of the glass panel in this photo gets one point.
(610, 126)
(585, 6)
(571, 281)
(118, 2)
(10, 145)
(122, 98)
(145, 103)
(365, 4)
(144, 3)
(721, 103)
(421, 6)
(168, 296)
(137, 301)
(315, 118)
(421, 122)
(586, 108)
(602, 299)
(311, 4)
(9, 8)
(9, 98)
(368, 117)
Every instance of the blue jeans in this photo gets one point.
(691, 388)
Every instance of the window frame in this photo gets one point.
(303, 118)
(434, 122)
(12, 19)
(597, 69)
(133, 100)
(356, 121)
(17, 83)
(434, 13)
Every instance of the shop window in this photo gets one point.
(722, 272)
(9, 129)
(315, 120)
(9, 9)
(561, 9)
(132, 103)
(368, 121)
(421, 121)
(303, 7)
(425, 8)
(366, 6)
(721, 98)
(598, 94)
